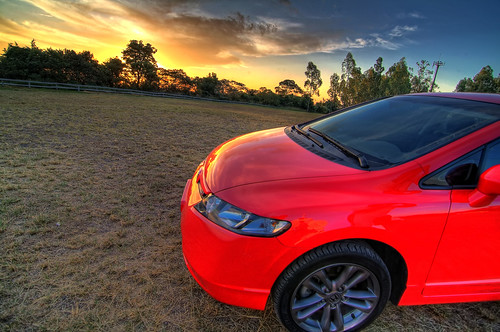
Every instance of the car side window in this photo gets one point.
(491, 156)
(461, 173)
(464, 172)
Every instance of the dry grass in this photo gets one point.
(90, 186)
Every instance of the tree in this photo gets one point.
(334, 92)
(379, 68)
(65, 66)
(81, 68)
(313, 80)
(482, 82)
(465, 85)
(140, 63)
(176, 81)
(350, 86)
(288, 87)
(398, 79)
(22, 62)
(54, 66)
(113, 69)
(421, 82)
(349, 69)
(233, 90)
(371, 86)
(267, 97)
(208, 86)
(378, 78)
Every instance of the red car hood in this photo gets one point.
(264, 156)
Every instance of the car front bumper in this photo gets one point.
(234, 269)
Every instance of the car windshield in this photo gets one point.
(395, 130)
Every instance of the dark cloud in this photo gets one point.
(195, 37)
(210, 32)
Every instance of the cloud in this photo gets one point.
(410, 15)
(399, 31)
(379, 41)
(281, 23)
(196, 40)
(192, 33)
(179, 28)
(416, 15)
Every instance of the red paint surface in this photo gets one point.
(451, 249)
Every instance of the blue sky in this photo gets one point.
(260, 43)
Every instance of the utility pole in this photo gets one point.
(437, 64)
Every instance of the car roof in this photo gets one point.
(484, 97)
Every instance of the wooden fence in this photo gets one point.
(95, 88)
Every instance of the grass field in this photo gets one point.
(90, 186)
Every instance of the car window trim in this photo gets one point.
(450, 165)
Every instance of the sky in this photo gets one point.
(263, 42)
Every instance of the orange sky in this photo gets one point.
(198, 44)
(262, 42)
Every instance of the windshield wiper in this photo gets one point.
(346, 150)
(306, 134)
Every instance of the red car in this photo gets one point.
(394, 199)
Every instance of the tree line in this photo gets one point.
(137, 68)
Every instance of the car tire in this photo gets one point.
(337, 287)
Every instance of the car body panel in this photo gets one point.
(469, 250)
(265, 156)
(484, 97)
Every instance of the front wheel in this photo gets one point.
(337, 287)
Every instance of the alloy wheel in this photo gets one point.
(336, 297)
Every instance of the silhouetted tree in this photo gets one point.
(267, 97)
(232, 90)
(313, 81)
(288, 87)
(141, 63)
(80, 68)
(139, 69)
(65, 66)
(22, 62)
(176, 81)
(113, 69)
(334, 92)
(208, 86)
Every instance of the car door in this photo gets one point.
(466, 265)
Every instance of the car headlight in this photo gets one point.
(237, 220)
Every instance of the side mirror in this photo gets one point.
(488, 188)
